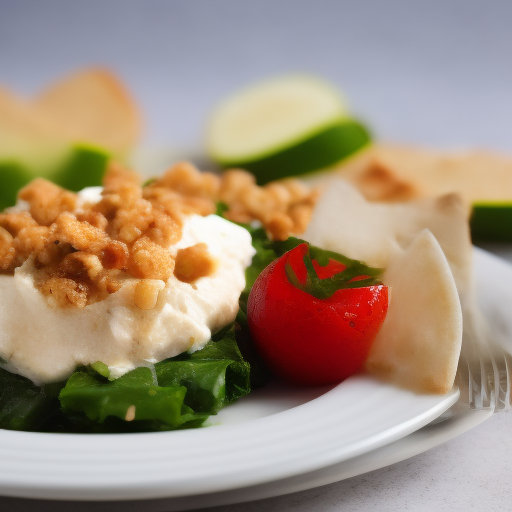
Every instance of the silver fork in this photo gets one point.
(484, 372)
(489, 367)
(502, 362)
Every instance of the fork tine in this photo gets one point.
(484, 378)
(503, 379)
(488, 380)
(508, 394)
(481, 381)
(464, 381)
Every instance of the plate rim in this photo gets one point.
(92, 467)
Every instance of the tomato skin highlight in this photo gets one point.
(307, 340)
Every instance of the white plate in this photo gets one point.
(355, 417)
(418, 442)
(275, 433)
(270, 443)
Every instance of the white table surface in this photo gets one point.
(427, 72)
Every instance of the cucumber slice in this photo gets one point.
(287, 126)
(492, 222)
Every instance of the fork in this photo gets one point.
(484, 372)
(489, 366)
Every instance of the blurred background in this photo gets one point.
(431, 72)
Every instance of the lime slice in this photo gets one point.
(287, 126)
(78, 167)
(492, 222)
(13, 176)
(84, 167)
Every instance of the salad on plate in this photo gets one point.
(148, 306)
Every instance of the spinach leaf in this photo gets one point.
(214, 375)
(265, 254)
(187, 389)
(130, 397)
(221, 208)
(23, 405)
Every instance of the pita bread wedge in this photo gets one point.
(20, 128)
(419, 267)
(91, 106)
(419, 343)
(344, 221)
(400, 173)
(26, 142)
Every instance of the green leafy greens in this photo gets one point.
(268, 250)
(23, 405)
(132, 397)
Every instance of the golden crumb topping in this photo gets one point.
(47, 201)
(82, 252)
(193, 262)
(284, 208)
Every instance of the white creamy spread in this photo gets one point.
(46, 343)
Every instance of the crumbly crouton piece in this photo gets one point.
(194, 262)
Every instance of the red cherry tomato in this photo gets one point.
(308, 340)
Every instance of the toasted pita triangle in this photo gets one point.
(419, 343)
(92, 106)
(344, 221)
(386, 172)
(420, 349)
(25, 137)
(18, 124)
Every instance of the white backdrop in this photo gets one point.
(434, 72)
